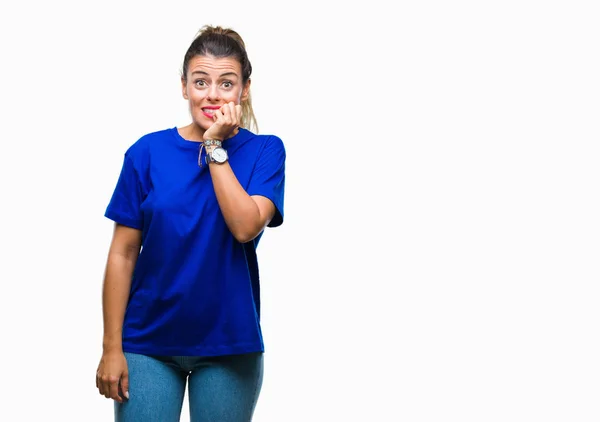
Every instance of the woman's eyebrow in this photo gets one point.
(228, 74)
(201, 72)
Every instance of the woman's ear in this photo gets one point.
(246, 91)
(184, 89)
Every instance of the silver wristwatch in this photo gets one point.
(218, 155)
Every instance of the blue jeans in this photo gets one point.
(220, 388)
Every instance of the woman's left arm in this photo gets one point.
(245, 215)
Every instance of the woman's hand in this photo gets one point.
(226, 121)
(112, 377)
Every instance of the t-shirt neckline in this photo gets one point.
(242, 133)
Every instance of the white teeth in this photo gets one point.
(208, 110)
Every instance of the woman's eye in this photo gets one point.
(227, 84)
(200, 82)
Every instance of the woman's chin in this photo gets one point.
(202, 123)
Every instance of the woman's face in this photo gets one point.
(211, 83)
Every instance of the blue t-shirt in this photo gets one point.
(195, 288)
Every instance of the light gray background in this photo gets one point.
(439, 259)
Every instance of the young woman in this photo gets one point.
(181, 298)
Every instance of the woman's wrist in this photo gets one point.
(116, 346)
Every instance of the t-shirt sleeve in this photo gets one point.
(268, 177)
(125, 205)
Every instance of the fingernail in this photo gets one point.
(127, 394)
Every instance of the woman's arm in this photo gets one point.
(122, 256)
(245, 215)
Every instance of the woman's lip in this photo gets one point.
(210, 116)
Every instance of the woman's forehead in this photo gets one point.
(211, 64)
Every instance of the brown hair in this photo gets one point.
(223, 42)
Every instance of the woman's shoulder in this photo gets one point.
(264, 140)
(143, 144)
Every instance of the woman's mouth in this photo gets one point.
(209, 111)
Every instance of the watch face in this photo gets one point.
(219, 155)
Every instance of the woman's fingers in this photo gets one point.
(226, 120)
(114, 389)
(124, 384)
(231, 114)
(112, 375)
(108, 386)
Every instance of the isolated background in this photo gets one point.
(439, 258)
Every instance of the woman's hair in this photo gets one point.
(224, 42)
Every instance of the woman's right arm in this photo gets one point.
(122, 256)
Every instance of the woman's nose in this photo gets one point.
(213, 93)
